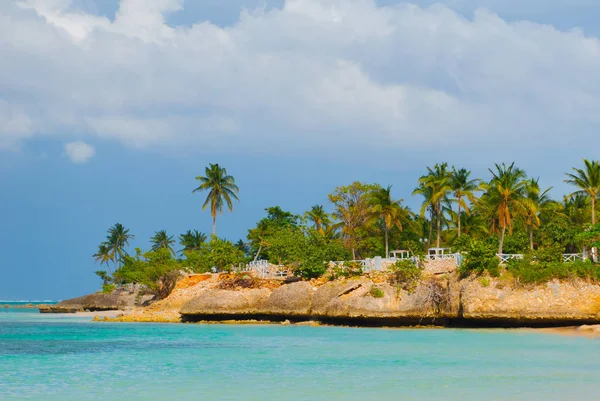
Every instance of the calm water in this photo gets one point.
(45, 357)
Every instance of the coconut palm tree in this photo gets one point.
(117, 240)
(539, 202)
(391, 212)
(320, 219)
(222, 190)
(162, 240)
(463, 188)
(435, 186)
(506, 196)
(588, 182)
(192, 241)
(104, 255)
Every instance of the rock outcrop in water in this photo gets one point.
(439, 300)
(123, 298)
(369, 301)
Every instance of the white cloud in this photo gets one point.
(316, 74)
(79, 152)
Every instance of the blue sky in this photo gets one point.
(108, 110)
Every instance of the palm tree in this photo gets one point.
(118, 238)
(391, 212)
(539, 202)
(319, 218)
(192, 240)
(588, 182)
(104, 255)
(161, 240)
(463, 187)
(506, 196)
(222, 189)
(435, 187)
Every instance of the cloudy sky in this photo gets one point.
(109, 109)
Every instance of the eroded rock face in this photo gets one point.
(224, 302)
(122, 298)
(553, 301)
(292, 299)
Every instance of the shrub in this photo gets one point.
(376, 292)
(535, 272)
(485, 281)
(405, 274)
(348, 269)
(108, 288)
(480, 257)
(157, 270)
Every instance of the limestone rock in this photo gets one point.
(225, 302)
(122, 298)
(291, 299)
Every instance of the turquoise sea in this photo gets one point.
(45, 357)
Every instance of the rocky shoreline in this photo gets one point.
(440, 300)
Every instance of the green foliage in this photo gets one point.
(485, 281)
(316, 251)
(590, 237)
(480, 256)
(376, 292)
(405, 274)
(534, 272)
(108, 288)
(518, 242)
(104, 276)
(221, 190)
(348, 269)
(157, 270)
(223, 254)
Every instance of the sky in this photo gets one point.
(110, 108)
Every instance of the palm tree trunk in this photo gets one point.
(215, 225)
(387, 253)
(258, 253)
(353, 254)
(430, 229)
(458, 217)
(439, 223)
(531, 237)
(502, 239)
(593, 211)
(594, 249)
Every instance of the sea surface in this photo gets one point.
(50, 357)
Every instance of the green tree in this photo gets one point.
(538, 202)
(222, 190)
(104, 255)
(391, 212)
(506, 196)
(435, 187)
(463, 188)
(588, 182)
(320, 219)
(352, 211)
(117, 240)
(276, 220)
(162, 240)
(191, 241)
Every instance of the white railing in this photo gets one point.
(264, 269)
(572, 257)
(505, 257)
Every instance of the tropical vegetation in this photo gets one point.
(509, 212)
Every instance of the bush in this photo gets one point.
(480, 257)
(405, 274)
(376, 292)
(527, 271)
(240, 280)
(108, 288)
(348, 269)
(157, 270)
